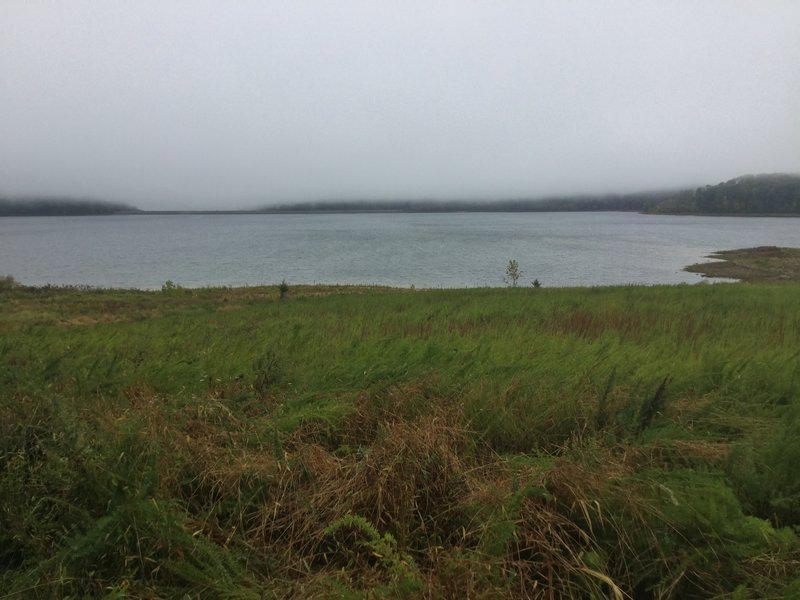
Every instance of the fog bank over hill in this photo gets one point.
(176, 105)
(65, 207)
(749, 194)
(769, 194)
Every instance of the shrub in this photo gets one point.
(7, 282)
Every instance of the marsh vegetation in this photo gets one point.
(365, 442)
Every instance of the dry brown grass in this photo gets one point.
(467, 522)
(408, 481)
(676, 453)
(419, 479)
(448, 519)
(593, 324)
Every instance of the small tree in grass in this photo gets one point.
(283, 288)
(512, 273)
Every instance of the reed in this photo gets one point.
(363, 442)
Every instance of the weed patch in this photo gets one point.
(546, 443)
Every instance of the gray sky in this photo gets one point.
(228, 104)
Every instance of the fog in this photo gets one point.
(238, 104)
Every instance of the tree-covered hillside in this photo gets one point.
(749, 194)
(46, 207)
(775, 194)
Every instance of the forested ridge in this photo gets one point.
(32, 207)
(772, 194)
(749, 194)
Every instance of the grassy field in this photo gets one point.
(625, 442)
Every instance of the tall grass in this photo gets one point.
(626, 442)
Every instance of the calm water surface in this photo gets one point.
(425, 250)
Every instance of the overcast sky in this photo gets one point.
(229, 104)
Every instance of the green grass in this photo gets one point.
(357, 442)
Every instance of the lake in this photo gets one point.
(398, 249)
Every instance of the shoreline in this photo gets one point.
(762, 263)
(141, 213)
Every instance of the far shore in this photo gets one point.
(764, 263)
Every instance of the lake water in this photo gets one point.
(425, 250)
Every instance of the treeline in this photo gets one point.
(611, 202)
(776, 194)
(60, 207)
(749, 194)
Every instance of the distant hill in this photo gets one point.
(55, 207)
(775, 194)
(637, 202)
